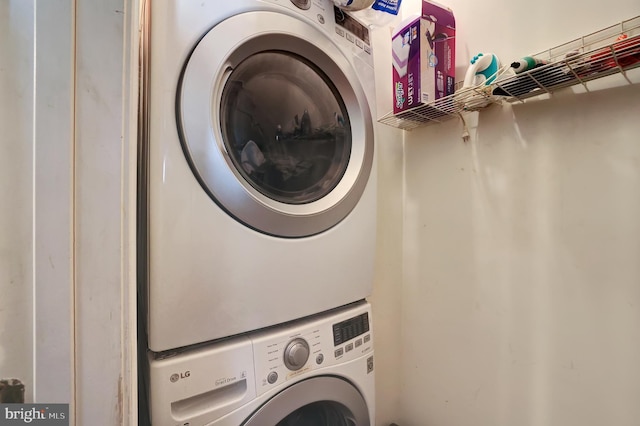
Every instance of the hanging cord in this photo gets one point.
(488, 96)
(465, 129)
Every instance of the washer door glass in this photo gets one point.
(285, 127)
(321, 414)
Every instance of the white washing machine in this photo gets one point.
(317, 371)
(257, 172)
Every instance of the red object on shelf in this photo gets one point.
(626, 52)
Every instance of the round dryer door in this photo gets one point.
(275, 124)
(319, 401)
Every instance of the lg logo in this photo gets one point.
(177, 376)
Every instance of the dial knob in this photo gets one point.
(302, 4)
(296, 354)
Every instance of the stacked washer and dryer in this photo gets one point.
(257, 213)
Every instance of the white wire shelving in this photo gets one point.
(612, 50)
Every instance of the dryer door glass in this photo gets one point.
(285, 127)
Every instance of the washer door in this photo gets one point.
(275, 124)
(321, 401)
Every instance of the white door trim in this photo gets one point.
(106, 53)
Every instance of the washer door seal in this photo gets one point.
(331, 188)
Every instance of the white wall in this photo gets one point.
(521, 292)
(386, 295)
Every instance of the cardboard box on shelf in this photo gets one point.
(423, 57)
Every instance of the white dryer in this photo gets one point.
(313, 372)
(257, 171)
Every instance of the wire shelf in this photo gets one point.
(613, 50)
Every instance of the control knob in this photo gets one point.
(296, 354)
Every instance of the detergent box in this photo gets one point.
(423, 57)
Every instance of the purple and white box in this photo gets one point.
(423, 57)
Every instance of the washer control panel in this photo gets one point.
(351, 328)
(288, 353)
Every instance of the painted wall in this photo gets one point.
(521, 291)
(386, 296)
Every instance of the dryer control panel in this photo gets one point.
(310, 345)
(353, 30)
(343, 26)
